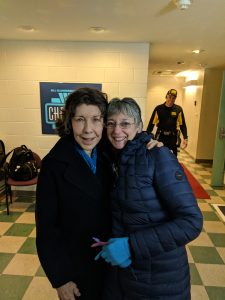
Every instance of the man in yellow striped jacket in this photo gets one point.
(169, 119)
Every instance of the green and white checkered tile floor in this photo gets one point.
(21, 276)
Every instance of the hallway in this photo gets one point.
(21, 276)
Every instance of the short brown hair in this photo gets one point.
(88, 96)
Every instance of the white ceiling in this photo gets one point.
(172, 33)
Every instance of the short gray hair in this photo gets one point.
(126, 106)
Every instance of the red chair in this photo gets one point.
(2, 170)
(9, 182)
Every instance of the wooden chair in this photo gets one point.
(9, 182)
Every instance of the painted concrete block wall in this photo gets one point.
(122, 69)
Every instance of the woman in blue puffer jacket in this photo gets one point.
(154, 213)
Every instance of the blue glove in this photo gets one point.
(116, 252)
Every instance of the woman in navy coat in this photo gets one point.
(72, 200)
(154, 215)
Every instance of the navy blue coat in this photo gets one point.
(153, 204)
(72, 206)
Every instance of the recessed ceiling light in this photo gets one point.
(182, 4)
(164, 73)
(197, 51)
(27, 28)
(203, 65)
(97, 29)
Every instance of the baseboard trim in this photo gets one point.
(203, 161)
(199, 160)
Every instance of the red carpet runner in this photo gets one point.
(198, 190)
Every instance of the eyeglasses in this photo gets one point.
(122, 125)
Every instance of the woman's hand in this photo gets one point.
(153, 143)
(116, 252)
(68, 291)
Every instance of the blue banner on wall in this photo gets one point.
(53, 96)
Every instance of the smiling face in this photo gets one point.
(87, 125)
(120, 129)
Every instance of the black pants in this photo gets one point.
(169, 141)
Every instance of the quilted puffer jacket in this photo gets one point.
(153, 204)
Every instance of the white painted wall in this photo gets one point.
(200, 106)
(192, 101)
(122, 69)
(157, 89)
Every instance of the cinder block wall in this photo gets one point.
(122, 68)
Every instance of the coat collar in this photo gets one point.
(77, 172)
(134, 145)
(139, 139)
